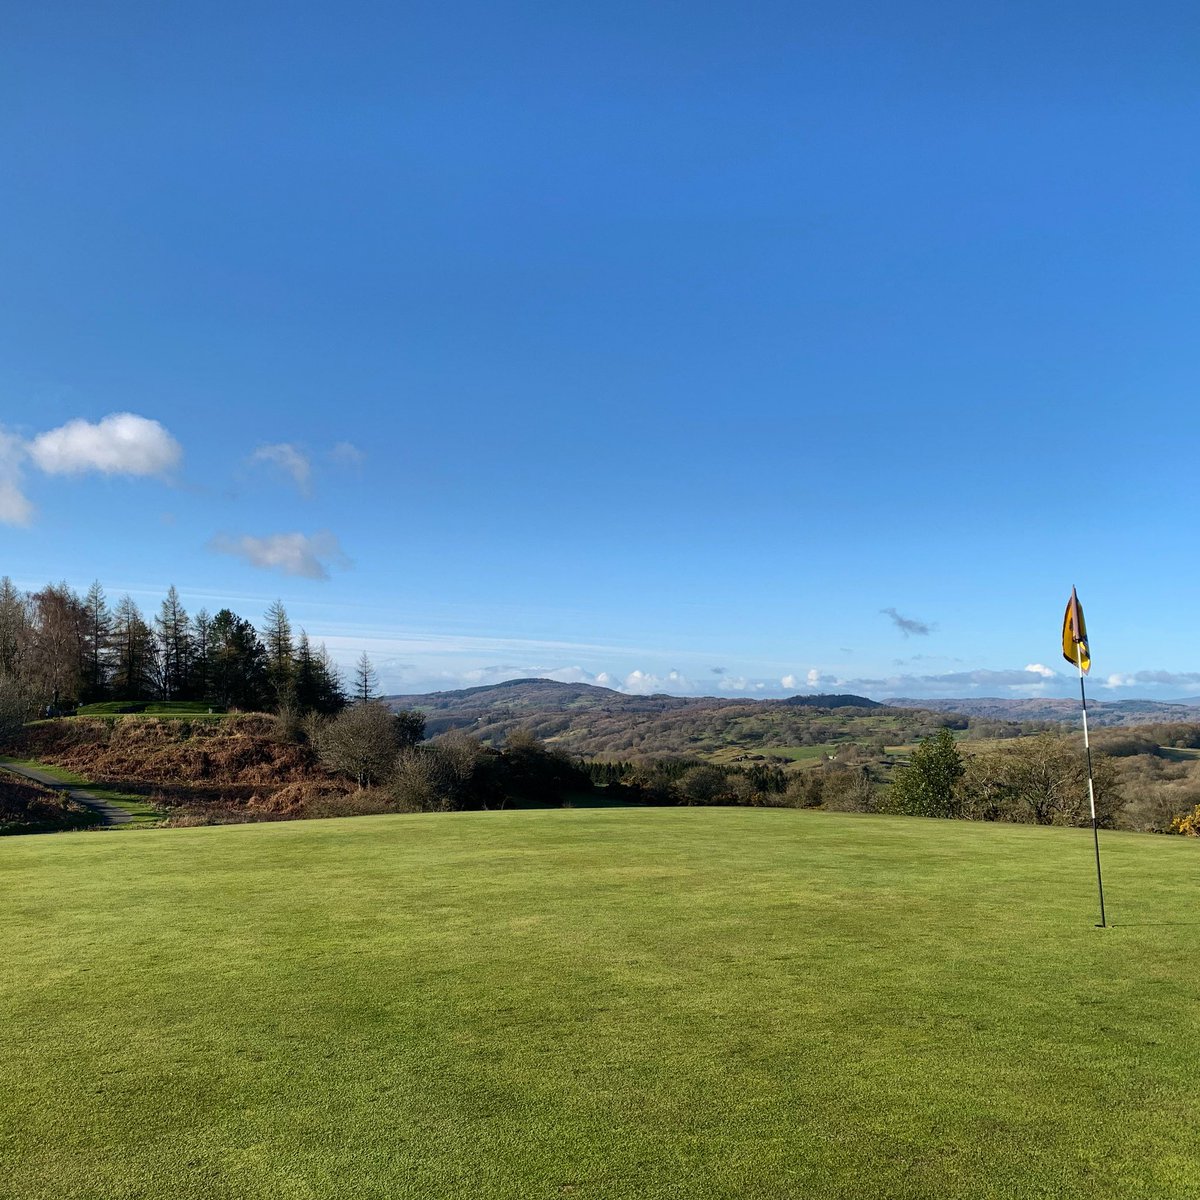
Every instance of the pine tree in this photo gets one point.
(281, 655)
(200, 666)
(174, 646)
(96, 664)
(366, 682)
(238, 674)
(331, 694)
(134, 653)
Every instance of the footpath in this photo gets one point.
(109, 814)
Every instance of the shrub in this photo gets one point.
(361, 742)
(927, 786)
(1188, 824)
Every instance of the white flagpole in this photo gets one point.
(1091, 787)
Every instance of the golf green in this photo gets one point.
(610, 1004)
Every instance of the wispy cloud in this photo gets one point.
(308, 556)
(743, 685)
(15, 508)
(290, 459)
(120, 444)
(1159, 678)
(347, 454)
(908, 625)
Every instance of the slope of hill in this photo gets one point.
(234, 768)
(597, 721)
(1100, 712)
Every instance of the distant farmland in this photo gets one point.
(605, 1004)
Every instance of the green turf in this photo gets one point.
(151, 708)
(142, 812)
(1178, 753)
(620, 1005)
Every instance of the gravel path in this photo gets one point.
(110, 814)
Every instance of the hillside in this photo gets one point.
(598, 722)
(231, 768)
(1100, 712)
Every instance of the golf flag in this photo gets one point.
(1075, 643)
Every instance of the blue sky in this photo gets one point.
(687, 348)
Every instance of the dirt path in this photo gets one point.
(109, 814)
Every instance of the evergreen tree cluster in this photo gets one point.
(59, 649)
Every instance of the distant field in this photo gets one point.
(792, 753)
(618, 1005)
(1179, 753)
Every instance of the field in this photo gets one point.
(607, 1004)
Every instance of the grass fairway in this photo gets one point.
(612, 1004)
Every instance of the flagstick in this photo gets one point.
(1091, 788)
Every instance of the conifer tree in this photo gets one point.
(96, 664)
(174, 646)
(366, 682)
(281, 655)
(135, 656)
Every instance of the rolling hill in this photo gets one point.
(600, 722)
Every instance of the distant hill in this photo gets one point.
(592, 720)
(1100, 712)
(832, 701)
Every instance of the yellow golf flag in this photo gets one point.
(1075, 642)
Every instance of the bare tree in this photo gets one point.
(16, 641)
(362, 742)
(58, 626)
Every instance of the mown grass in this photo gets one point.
(138, 807)
(151, 708)
(618, 1004)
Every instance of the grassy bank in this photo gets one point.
(603, 1004)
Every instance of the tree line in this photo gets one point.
(59, 649)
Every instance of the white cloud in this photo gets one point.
(347, 454)
(739, 683)
(1161, 678)
(308, 556)
(290, 459)
(120, 444)
(1038, 669)
(816, 678)
(643, 683)
(790, 682)
(15, 508)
